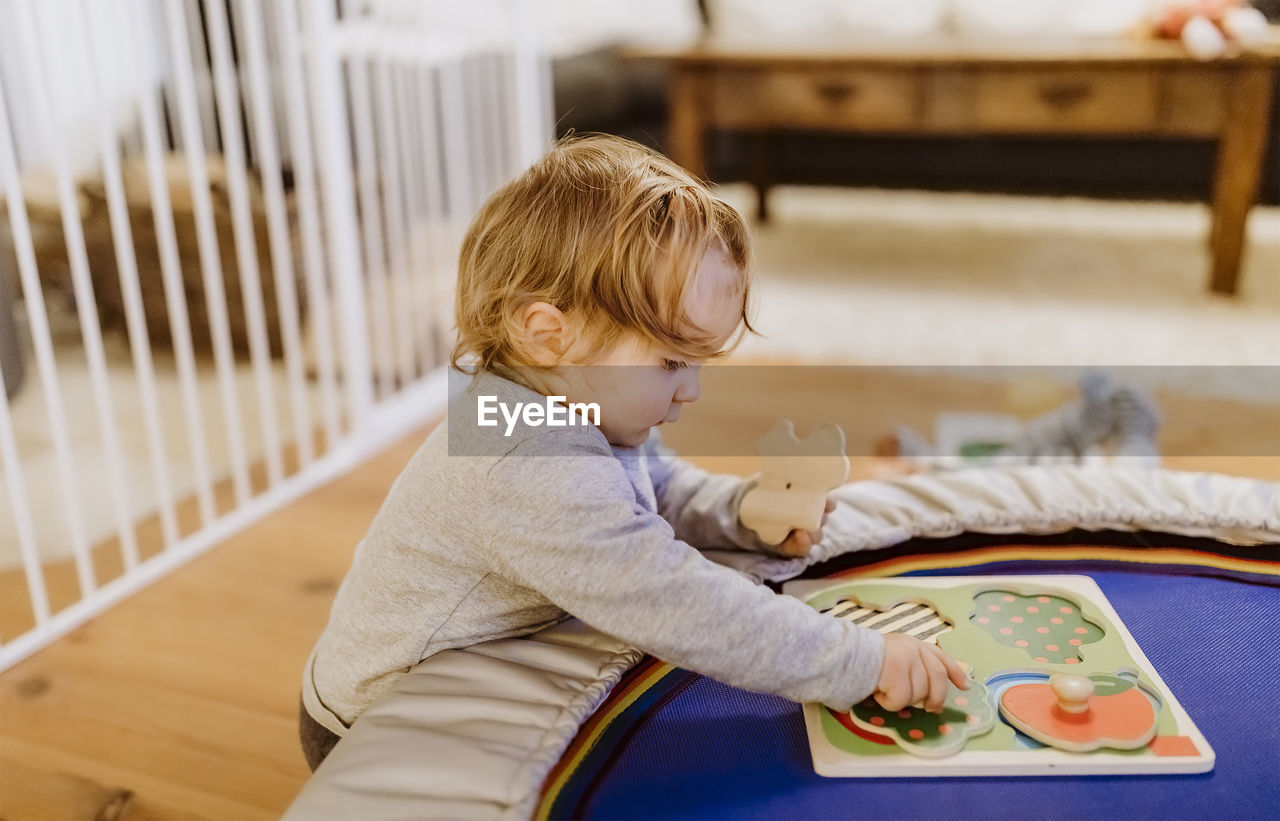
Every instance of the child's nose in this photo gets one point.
(690, 387)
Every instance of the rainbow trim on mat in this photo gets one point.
(1168, 557)
(644, 688)
(652, 683)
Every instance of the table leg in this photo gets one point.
(762, 171)
(687, 126)
(1239, 168)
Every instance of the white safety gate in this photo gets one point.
(228, 243)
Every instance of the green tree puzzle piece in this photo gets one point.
(1049, 628)
(965, 714)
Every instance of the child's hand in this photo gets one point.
(916, 671)
(800, 542)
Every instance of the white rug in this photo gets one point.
(871, 277)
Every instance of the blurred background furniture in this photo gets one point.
(950, 85)
(598, 89)
(10, 348)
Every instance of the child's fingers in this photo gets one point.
(954, 671)
(826, 512)
(896, 697)
(937, 681)
(797, 543)
(919, 681)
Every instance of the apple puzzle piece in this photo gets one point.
(965, 714)
(794, 480)
(1082, 713)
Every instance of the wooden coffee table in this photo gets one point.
(1095, 87)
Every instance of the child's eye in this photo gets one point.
(673, 364)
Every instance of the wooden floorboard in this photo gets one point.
(181, 701)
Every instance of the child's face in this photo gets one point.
(639, 386)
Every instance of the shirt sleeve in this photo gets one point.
(702, 507)
(569, 527)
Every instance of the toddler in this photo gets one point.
(595, 283)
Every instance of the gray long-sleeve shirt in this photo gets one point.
(553, 521)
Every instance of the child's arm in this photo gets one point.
(568, 527)
(702, 507)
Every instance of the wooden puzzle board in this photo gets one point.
(1007, 631)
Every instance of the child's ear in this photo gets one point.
(545, 333)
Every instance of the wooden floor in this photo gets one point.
(181, 702)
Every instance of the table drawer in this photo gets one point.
(1098, 100)
(1194, 101)
(845, 99)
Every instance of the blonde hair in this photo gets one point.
(610, 233)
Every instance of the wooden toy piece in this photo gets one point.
(1112, 712)
(965, 714)
(1073, 692)
(794, 480)
(1034, 394)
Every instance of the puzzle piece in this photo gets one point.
(1082, 713)
(794, 480)
(965, 714)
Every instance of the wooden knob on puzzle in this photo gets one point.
(1073, 692)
